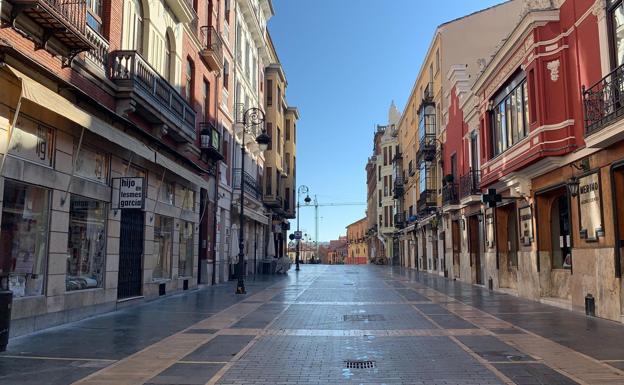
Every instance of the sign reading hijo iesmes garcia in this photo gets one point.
(131, 193)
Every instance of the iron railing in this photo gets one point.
(398, 187)
(604, 101)
(211, 42)
(469, 184)
(426, 148)
(130, 65)
(426, 202)
(252, 185)
(450, 193)
(399, 220)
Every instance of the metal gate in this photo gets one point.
(130, 254)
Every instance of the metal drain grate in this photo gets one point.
(363, 317)
(359, 364)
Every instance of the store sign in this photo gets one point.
(526, 225)
(131, 193)
(32, 141)
(590, 207)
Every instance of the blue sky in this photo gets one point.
(345, 61)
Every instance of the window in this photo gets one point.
(279, 140)
(269, 181)
(94, 15)
(190, 70)
(509, 115)
(423, 178)
(226, 74)
(616, 22)
(385, 156)
(379, 198)
(437, 60)
(86, 245)
(385, 185)
(287, 129)
(269, 92)
(379, 173)
(163, 246)
(206, 98)
(133, 26)
(269, 128)
(168, 60)
(188, 198)
(228, 8)
(427, 123)
(92, 164)
(24, 238)
(185, 257)
(167, 192)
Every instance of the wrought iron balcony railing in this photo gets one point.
(469, 184)
(399, 220)
(427, 148)
(64, 20)
(152, 95)
(399, 187)
(604, 101)
(212, 48)
(450, 193)
(252, 185)
(426, 203)
(272, 201)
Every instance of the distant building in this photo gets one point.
(356, 241)
(337, 251)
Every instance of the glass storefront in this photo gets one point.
(86, 245)
(163, 246)
(185, 258)
(24, 238)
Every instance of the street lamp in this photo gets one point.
(253, 119)
(303, 189)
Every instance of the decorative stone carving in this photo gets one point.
(553, 67)
(599, 9)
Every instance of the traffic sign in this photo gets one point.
(297, 234)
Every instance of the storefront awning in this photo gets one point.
(39, 94)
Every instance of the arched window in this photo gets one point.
(168, 58)
(133, 26)
(190, 71)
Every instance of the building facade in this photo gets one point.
(117, 122)
(357, 247)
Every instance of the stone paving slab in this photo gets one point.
(219, 349)
(186, 374)
(534, 374)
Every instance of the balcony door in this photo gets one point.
(133, 26)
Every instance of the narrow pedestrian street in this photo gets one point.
(326, 325)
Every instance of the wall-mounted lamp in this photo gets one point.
(573, 186)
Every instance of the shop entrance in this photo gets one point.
(130, 254)
(475, 245)
(508, 245)
(618, 191)
(554, 242)
(456, 244)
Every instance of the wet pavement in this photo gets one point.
(326, 325)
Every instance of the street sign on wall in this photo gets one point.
(128, 193)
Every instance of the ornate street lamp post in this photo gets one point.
(253, 119)
(303, 189)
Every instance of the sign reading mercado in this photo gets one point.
(131, 193)
(590, 207)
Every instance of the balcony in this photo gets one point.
(65, 21)
(426, 203)
(98, 55)
(143, 91)
(210, 141)
(251, 184)
(469, 184)
(426, 148)
(212, 48)
(427, 96)
(604, 106)
(399, 220)
(399, 189)
(450, 194)
(273, 201)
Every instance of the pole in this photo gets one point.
(240, 286)
(298, 240)
(316, 230)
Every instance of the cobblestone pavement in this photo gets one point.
(326, 325)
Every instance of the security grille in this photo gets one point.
(363, 317)
(359, 364)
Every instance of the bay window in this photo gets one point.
(510, 115)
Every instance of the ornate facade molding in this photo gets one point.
(553, 67)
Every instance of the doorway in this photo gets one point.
(130, 276)
(474, 247)
(456, 245)
(508, 245)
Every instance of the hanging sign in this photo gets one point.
(526, 225)
(590, 207)
(131, 193)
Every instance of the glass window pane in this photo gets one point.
(512, 118)
(185, 258)
(24, 238)
(618, 33)
(163, 246)
(86, 245)
(518, 112)
(525, 92)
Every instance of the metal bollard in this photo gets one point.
(590, 305)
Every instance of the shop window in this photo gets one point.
(32, 141)
(188, 199)
(86, 245)
(92, 164)
(163, 246)
(185, 257)
(24, 238)
(167, 191)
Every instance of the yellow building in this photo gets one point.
(357, 248)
